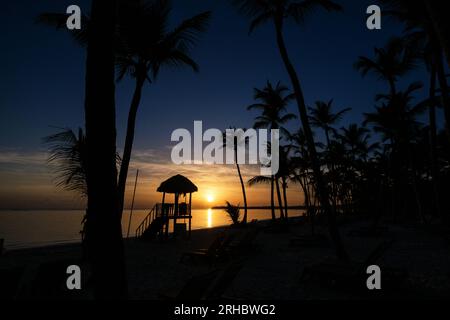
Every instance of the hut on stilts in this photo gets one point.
(158, 221)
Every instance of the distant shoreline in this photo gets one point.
(261, 207)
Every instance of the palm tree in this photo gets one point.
(237, 140)
(263, 180)
(68, 154)
(395, 119)
(391, 62)
(233, 212)
(356, 140)
(277, 12)
(424, 25)
(145, 47)
(284, 173)
(104, 230)
(273, 102)
(322, 116)
(68, 157)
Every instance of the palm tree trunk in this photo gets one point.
(433, 139)
(392, 86)
(280, 203)
(436, 12)
(321, 186)
(284, 186)
(444, 89)
(129, 139)
(272, 200)
(331, 171)
(309, 209)
(244, 219)
(104, 230)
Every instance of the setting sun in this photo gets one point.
(210, 198)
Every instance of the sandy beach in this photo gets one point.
(271, 269)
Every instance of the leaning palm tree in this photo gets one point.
(145, 47)
(236, 140)
(277, 12)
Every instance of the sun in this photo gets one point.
(209, 198)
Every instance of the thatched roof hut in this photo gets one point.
(177, 184)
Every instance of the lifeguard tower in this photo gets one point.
(157, 222)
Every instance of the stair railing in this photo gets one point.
(146, 222)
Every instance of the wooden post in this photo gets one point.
(132, 203)
(162, 213)
(175, 213)
(190, 213)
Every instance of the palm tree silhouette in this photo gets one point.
(390, 62)
(238, 139)
(142, 46)
(104, 229)
(68, 154)
(322, 116)
(145, 47)
(423, 24)
(277, 12)
(272, 102)
(396, 120)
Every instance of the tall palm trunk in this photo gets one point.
(280, 203)
(129, 139)
(437, 13)
(444, 88)
(244, 219)
(104, 230)
(272, 200)
(331, 171)
(284, 186)
(321, 186)
(433, 139)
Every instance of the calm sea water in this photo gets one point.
(23, 229)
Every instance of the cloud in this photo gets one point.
(28, 181)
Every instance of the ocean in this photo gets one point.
(35, 228)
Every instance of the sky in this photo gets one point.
(42, 88)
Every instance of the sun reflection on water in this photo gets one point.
(209, 218)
